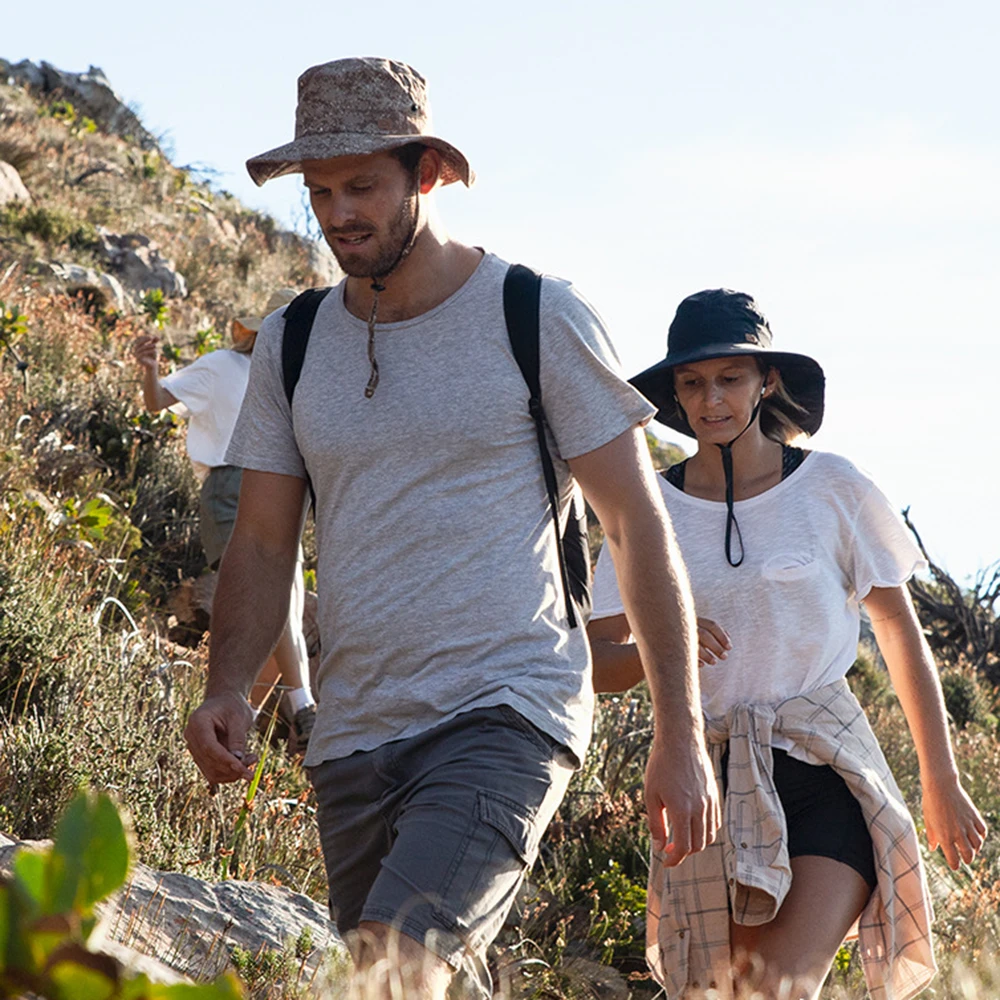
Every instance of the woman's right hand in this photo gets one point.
(713, 642)
(146, 350)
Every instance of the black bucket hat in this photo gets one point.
(720, 323)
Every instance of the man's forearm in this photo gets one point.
(248, 614)
(658, 603)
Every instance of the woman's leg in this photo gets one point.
(289, 667)
(789, 958)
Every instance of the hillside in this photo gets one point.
(103, 238)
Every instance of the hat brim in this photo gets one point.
(803, 379)
(251, 323)
(288, 159)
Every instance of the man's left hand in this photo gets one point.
(682, 799)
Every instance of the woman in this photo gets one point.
(782, 546)
(210, 391)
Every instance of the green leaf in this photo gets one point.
(90, 855)
(5, 922)
(30, 871)
(224, 988)
(75, 982)
(94, 517)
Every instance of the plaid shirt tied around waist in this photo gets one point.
(747, 870)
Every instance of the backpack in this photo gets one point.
(521, 296)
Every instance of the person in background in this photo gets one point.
(210, 392)
(783, 546)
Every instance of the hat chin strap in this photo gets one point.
(727, 468)
(378, 286)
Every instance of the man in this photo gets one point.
(455, 697)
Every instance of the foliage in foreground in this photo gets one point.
(47, 916)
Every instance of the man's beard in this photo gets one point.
(388, 252)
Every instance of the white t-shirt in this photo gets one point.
(815, 545)
(210, 391)
(438, 575)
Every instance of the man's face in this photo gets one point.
(366, 206)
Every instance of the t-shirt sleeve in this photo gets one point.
(586, 400)
(883, 553)
(264, 438)
(194, 386)
(607, 600)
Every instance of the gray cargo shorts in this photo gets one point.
(433, 835)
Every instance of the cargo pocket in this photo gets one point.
(510, 819)
(501, 844)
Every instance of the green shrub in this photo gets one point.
(155, 308)
(206, 341)
(53, 226)
(965, 699)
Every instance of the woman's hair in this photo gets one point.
(779, 412)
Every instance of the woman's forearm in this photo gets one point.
(617, 666)
(914, 678)
(154, 396)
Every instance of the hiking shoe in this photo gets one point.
(302, 725)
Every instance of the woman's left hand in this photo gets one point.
(952, 822)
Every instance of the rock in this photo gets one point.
(185, 927)
(74, 279)
(323, 264)
(136, 961)
(25, 73)
(90, 94)
(193, 926)
(137, 259)
(11, 186)
(221, 229)
(599, 981)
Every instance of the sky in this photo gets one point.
(839, 161)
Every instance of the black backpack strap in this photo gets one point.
(299, 316)
(522, 292)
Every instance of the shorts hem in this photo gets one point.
(444, 942)
(853, 863)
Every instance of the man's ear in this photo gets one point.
(430, 170)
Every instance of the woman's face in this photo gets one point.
(719, 396)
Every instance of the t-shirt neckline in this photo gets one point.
(477, 276)
(775, 490)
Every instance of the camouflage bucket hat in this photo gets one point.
(353, 107)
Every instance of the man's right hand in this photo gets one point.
(216, 735)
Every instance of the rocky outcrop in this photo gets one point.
(75, 279)
(11, 186)
(193, 926)
(90, 93)
(140, 265)
(323, 264)
(172, 926)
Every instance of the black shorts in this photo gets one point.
(822, 815)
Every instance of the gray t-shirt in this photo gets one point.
(438, 577)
